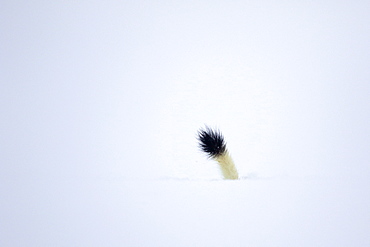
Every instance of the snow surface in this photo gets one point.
(100, 103)
(190, 212)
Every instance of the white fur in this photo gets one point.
(227, 166)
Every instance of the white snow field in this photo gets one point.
(101, 101)
(200, 212)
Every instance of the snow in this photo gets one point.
(192, 212)
(101, 101)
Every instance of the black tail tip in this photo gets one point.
(211, 142)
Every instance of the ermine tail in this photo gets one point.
(213, 144)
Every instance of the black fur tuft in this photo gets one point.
(211, 142)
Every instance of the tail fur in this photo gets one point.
(213, 144)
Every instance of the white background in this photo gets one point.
(100, 104)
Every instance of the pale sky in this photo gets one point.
(120, 88)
